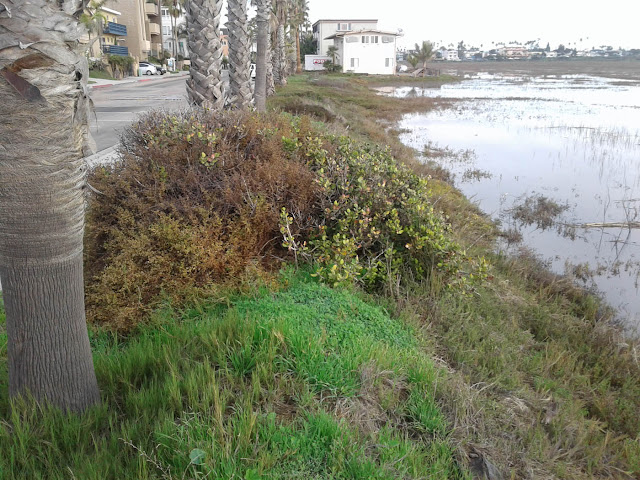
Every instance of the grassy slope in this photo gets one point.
(538, 382)
(307, 382)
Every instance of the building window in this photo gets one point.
(351, 39)
(365, 39)
(387, 39)
(374, 39)
(344, 26)
(386, 62)
(355, 62)
(165, 12)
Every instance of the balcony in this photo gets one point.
(151, 9)
(154, 29)
(115, 50)
(115, 29)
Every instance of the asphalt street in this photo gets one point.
(116, 106)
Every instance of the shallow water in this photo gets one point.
(573, 139)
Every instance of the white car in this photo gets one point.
(147, 69)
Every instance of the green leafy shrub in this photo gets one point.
(121, 63)
(377, 223)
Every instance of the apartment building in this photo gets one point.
(112, 35)
(143, 25)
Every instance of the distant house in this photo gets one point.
(366, 51)
(450, 55)
(325, 28)
(514, 52)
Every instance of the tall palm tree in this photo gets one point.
(263, 13)
(424, 53)
(280, 19)
(93, 20)
(205, 84)
(239, 54)
(43, 131)
(299, 15)
(175, 10)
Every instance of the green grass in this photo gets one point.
(537, 375)
(307, 382)
(100, 74)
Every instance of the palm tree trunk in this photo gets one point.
(272, 58)
(174, 37)
(281, 52)
(271, 83)
(43, 131)
(262, 19)
(204, 86)
(239, 54)
(298, 60)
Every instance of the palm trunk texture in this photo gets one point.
(262, 19)
(281, 76)
(43, 132)
(239, 54)
(204, 86)
(271, 82)
(298, 60)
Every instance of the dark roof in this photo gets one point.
(345, 20)
(358, 32)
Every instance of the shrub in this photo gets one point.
(331, 67)
(120, 63)
(377, 224)
(194, 203)
(198, 200)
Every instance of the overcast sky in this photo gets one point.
(611, 22)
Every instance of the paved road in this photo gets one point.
(117, 106)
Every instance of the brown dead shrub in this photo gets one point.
(194, 201)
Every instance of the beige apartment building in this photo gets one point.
(143, 21)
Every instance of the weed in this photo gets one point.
(245, 392)
(538, 210)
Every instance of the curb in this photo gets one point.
(108, 155)
(122, 82)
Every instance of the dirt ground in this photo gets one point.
(618, 68)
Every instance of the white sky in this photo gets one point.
(611, 22)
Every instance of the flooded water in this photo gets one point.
(569, 141)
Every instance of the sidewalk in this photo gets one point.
(101, 83)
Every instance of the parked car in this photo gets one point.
(147, 68)
(160, 69)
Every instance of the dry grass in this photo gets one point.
(540, 384)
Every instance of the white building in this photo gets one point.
(366, 51)
(167, 33)
(325, 28)
(450, 55)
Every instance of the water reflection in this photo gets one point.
(569, 138)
